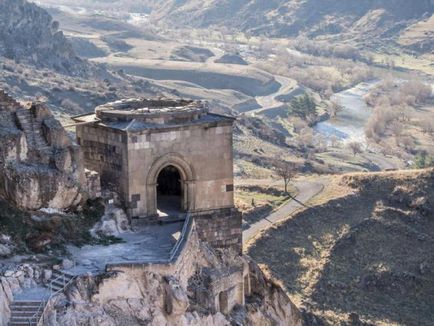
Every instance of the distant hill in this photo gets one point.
(28, 34)
(360, 19)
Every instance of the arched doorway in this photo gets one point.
(187, 179)
(170, 191)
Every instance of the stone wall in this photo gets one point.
(202, 153)
(129, 163)
(105, 151)
(220, 228)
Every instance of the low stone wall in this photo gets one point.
(220, 228)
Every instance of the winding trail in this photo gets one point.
(307, 190)
(270, 101)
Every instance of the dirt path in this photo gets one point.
(269, 101)
(383, 162)
(307, 190)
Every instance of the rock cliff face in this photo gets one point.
(28, 34)
(203, 287)
(39, 165)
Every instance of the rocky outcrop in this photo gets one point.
(113, 223)
(267, 303)
(39, 165)
(203, 287)
(231, 58)
(29, 34)
(14, 281)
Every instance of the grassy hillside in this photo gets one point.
(354, 19)
(365, 253)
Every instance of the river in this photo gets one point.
(349, 124)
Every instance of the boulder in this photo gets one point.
(5, 251)
(114, 222)
(6, 289)
(176, 300)
(5, 311)
(67, 264)
(47, 274)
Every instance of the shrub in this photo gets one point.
(303, 106)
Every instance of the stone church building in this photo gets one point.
(166, 158)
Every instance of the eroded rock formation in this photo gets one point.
(39, 165)
(29, 34)
(203, 287)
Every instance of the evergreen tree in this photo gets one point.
(303, 106)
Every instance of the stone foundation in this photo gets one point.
(220, 228)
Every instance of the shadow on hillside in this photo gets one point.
(255, 215)
(375, 271)
(356, 255)
(283, 249)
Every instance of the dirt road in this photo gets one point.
(307, 190)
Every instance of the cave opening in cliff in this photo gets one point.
(169, 191)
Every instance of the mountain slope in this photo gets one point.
(28, 34)
(288, 18)
(366, 253)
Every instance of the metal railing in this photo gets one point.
(48, 303)
(184, 235)
(35, 318)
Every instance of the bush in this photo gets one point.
(423, 160)
(303, 106)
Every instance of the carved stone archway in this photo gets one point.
(188, 179)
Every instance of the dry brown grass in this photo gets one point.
(363, 249)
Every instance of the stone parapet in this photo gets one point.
(221, 228)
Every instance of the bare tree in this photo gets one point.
(306, 137)
(355, 147)
(285, 170)
(334, 108)
(335, 141)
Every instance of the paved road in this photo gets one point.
(307, 190)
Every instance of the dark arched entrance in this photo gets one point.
(169, 191)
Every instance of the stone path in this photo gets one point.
(152, 243)
(307, 190)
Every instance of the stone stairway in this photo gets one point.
(28, 312)
(32, 130)
(58, 280)
(25, 313)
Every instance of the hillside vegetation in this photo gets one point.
(366, 254)
(353, 18)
